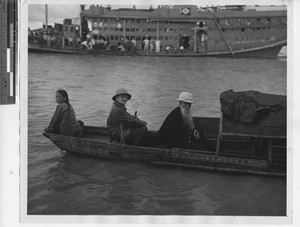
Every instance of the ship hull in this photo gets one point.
(263, 52)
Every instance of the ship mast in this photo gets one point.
(46, 26)
(46, 14)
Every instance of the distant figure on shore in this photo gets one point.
(85, 45)
(178, 129)
(134, 42)
(151, 45)
(157, 45)
(122, 126)
(168, 48)
(181, 48)
(146, 44)
(64, 120)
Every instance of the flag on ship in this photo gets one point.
(185, 11)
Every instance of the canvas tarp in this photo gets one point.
(253, 113)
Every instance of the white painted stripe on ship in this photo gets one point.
(11, 84)
(8, 59)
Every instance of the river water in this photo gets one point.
(60, 183)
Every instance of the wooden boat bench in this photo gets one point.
(256, 142)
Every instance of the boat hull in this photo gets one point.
(262, 52)
(195, 159)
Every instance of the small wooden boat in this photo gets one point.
(235, 153)
(249, 137)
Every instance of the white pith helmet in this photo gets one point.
(185, 97)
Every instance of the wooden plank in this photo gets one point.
(219, 139)
(176, 157)
(270, 156)
(252, 135)
(221, 169)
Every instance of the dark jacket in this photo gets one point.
(66, 121)
(118, 115)
(174, 133)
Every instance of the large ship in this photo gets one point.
(179, 30)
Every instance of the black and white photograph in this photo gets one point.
(156, 112)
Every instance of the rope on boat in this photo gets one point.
(231, 50)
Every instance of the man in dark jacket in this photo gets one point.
(122, 126)
(178, 129)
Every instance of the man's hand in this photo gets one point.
(196, 134)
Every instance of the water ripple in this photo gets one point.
(61, 183)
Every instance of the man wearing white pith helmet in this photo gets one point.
(178, 129)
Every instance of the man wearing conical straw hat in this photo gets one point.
(122, 126)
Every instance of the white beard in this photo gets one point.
(187, 118)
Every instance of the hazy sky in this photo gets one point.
(57, 13)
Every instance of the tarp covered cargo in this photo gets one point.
(253, 113)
